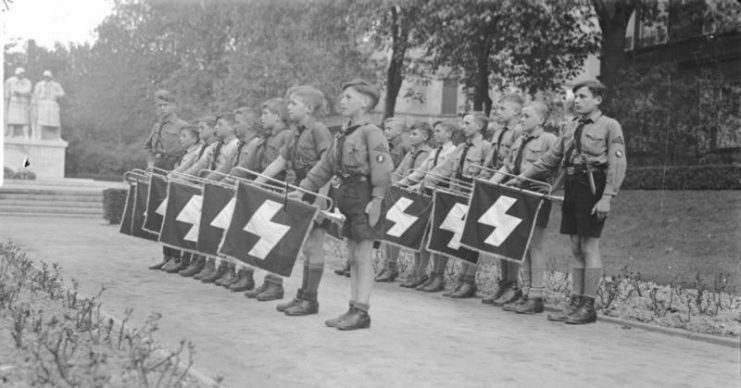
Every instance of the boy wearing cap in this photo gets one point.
(308, 141)
(359, 158)
(163, 144)
(164, 151)
(592, 150)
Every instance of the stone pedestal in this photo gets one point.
(46, 156)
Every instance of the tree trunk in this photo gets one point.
(481, 99)
(394, 74)
(613, 18)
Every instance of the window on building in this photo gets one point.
(450, 97)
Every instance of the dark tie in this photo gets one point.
(520, 152)
(437, 155)
(217, 152)
(341, 144)
(463, 158)
(576, 144)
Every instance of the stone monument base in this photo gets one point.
(46, 157)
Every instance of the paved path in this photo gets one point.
(415, 340)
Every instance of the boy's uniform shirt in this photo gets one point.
(434, 158)
(501, 148)
(225, 159)
(164, 140)
(412, 161)
(602, 146)
(359, 150)
(205, 158)
(190, 158)
(526, 150)
(465, 162)
(261, 151)
(305, 146)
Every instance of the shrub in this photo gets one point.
(709, 177)
(8, 173)
(114, 201)
(24, 175)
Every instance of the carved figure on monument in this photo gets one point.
(46, 108)
(18, 105)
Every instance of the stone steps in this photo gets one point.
(54, 198)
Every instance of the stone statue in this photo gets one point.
(46, 108)
(18, 104)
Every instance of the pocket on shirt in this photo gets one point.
(356, 156)
(593, 145)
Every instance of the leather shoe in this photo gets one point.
(161, 264)
(513, 305)
(296, 300)
(436, 284)
(182, 264)
(272, 292)
(509, 295)
(357, 319)
(584, 314)
(426, 283)
(252, 294)
(195, 267)
(228, 278)
(466, 290)
(566, 310)
(335, 321)
(387, 275)
(244, 281)
(207, 269)
(304, 307)
(453, 290)
(415, 281)
(172, 263)
(216, 274)
(501, 287)
(531, 306)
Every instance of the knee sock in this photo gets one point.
(513, 271)
(591, 281)
(537, 288)
(274, 279)
(578, 280)
(439, 264)
(305, 278)
(362, 306)
(315, 272)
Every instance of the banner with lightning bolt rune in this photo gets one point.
(137, 216)
(406, 219)
(501, 220)
(216, 215)
(128, 212)
(446, 228)
(156, 204)
(182, 216)
(267, 230)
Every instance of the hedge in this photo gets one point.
(114, 201)
(706, 177)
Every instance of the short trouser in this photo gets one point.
(351, 198)
(577, 217)
(323, 224)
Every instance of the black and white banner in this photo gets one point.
(140, 207)
(216, 214)
(182, 216)
(406, 218)
(156, 204)
(267, 230)
(446, 228)
(501, 220)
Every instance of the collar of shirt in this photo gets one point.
(248, 138)
(305, 124)
(475, 140)
(172, 119)
(233, 141)
(396, 141)
(194, 147)
(350, 127)
(593, 117)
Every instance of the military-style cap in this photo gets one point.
(364, 87)
(47, 73)
(164, 96)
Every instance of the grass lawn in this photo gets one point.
(663, 235)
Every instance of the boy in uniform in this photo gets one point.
(507, 116)
(592, 150)
(529, 147)
(308, 141)
(359, 157)
(164, 151)
(463, 166)
(419, 137)
(397, 134)
(257, 157)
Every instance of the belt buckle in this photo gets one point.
(570, 170)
